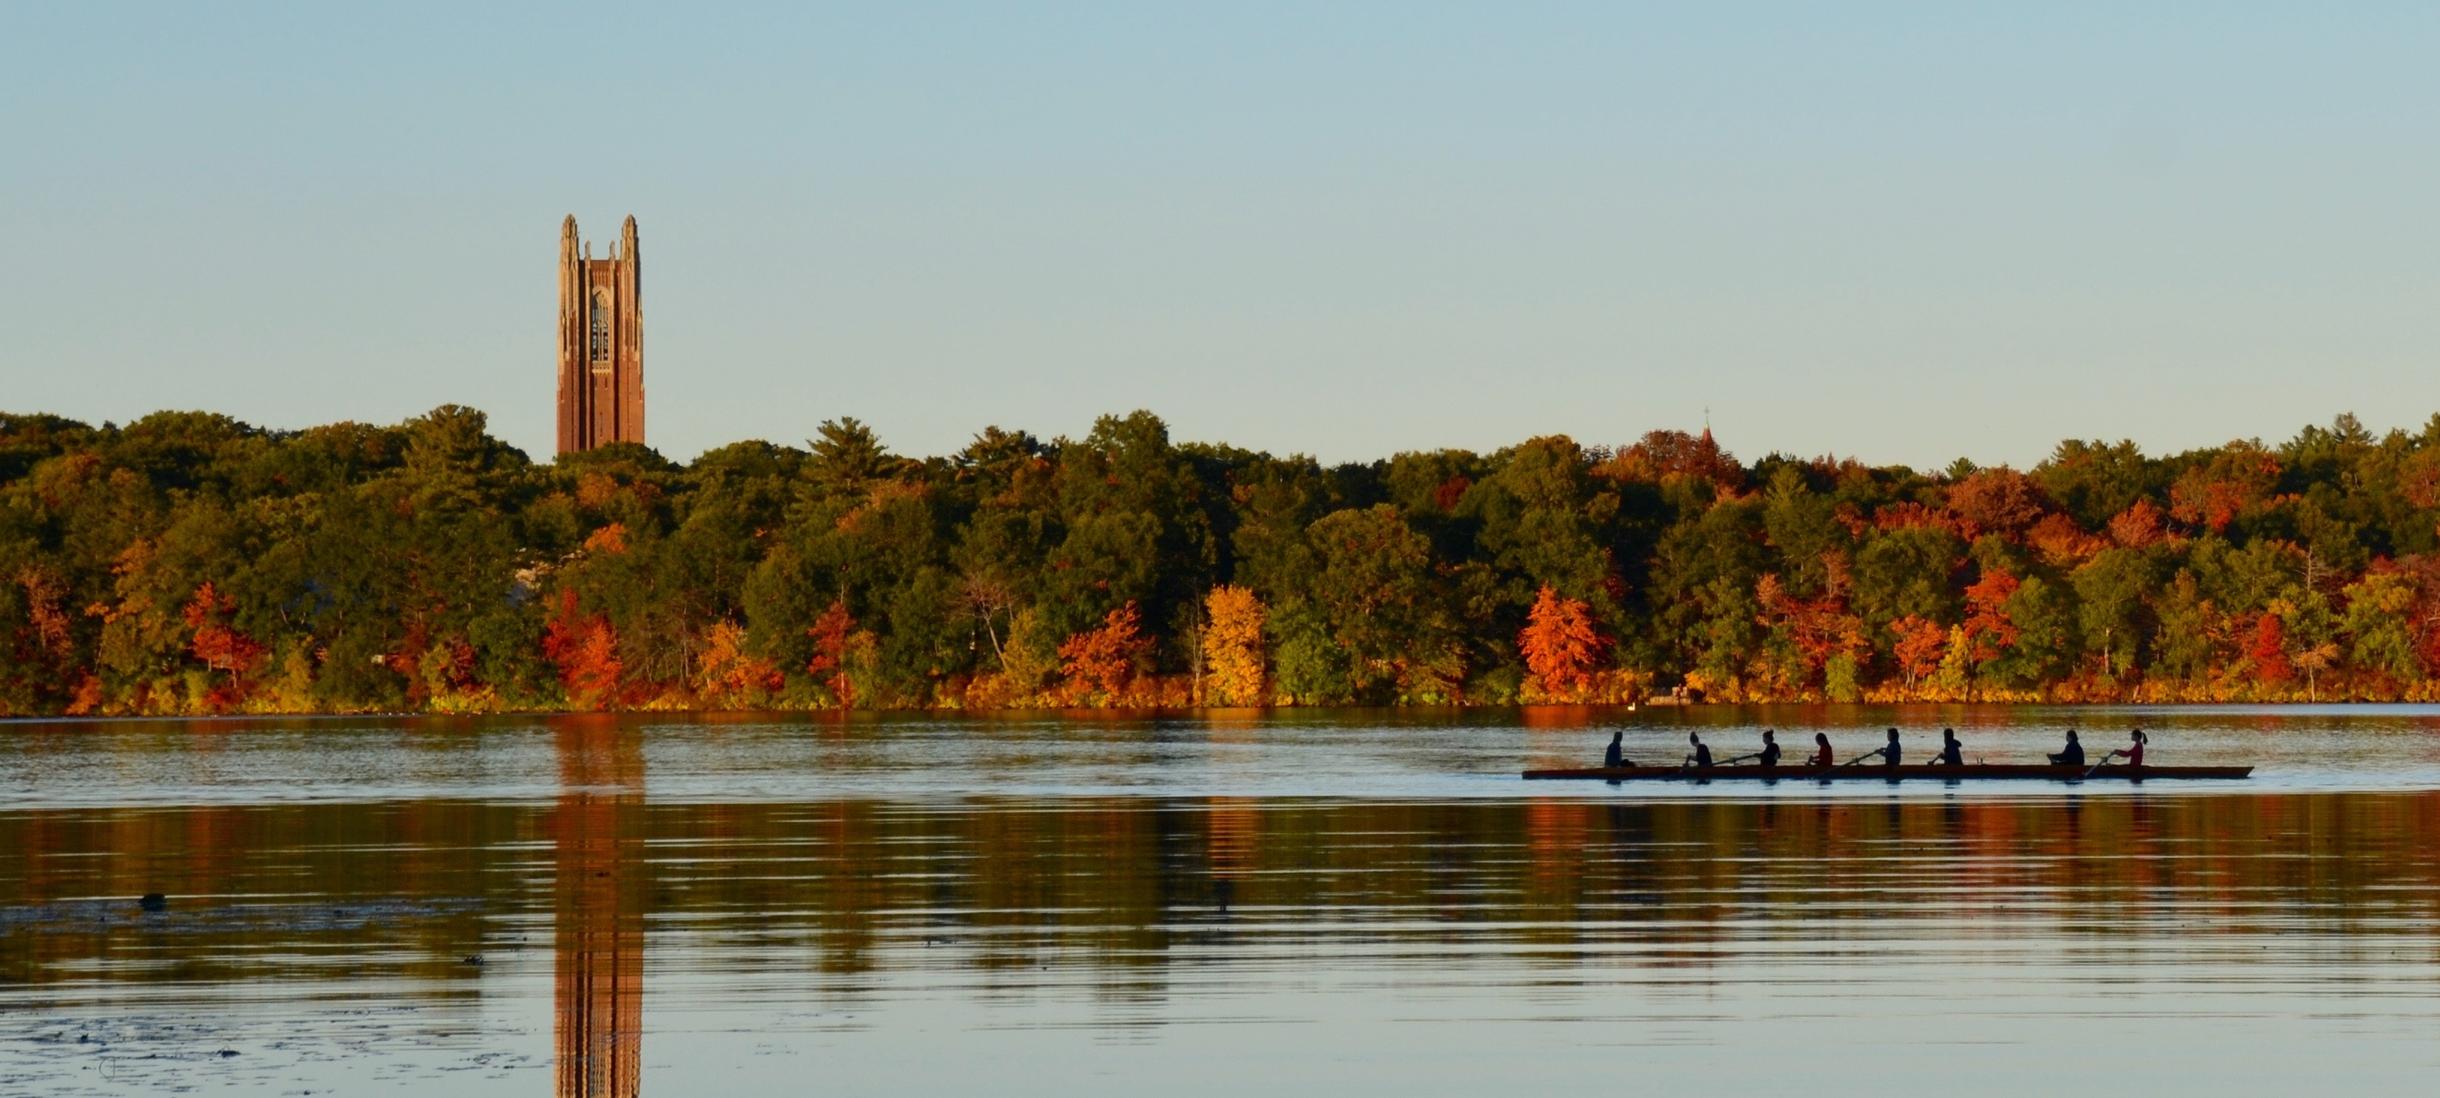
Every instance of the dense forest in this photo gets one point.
(189, 563)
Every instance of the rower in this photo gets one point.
(1701, 759)
(2070, 755)
(1615, 757)
(2133, 751)
(1822, 741)
(1891, 751)
(1952, 753)
(1767, 758)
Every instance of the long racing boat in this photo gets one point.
(1867, 772)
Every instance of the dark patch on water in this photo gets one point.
(203, 917)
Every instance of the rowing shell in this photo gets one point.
(1971, 772)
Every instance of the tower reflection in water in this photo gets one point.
(598, 976)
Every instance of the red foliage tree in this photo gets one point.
(2233, 482)
(833, 635)
(1988, 629)
(1820, 627)
(1560, 644)
(1907, 514)
(2269, 651)
(584, 647)
(1450, 491)
(221, 647)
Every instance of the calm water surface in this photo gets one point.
(1201, 904)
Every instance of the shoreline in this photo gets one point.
(1133, 713)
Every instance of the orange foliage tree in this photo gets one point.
(1561, 646)
(834, 640)
(221, 647)
(2138, 526)
(1100, 664)
(1232, 646)
(2063, 543)
(728, 675)
(42, 610)
(2000, 501)
(1919, 645)
(1988, 628)
(584, 647)
(609, 539)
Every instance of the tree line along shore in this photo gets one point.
(189, 563)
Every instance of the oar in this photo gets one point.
(2105, 761)
(1738, 759)
(1857, 759)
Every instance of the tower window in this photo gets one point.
(601, 329)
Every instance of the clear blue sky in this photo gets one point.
(1903, 232)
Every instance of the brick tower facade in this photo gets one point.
(601, 342)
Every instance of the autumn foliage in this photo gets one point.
(1233, 647)
(1100, 666)
(231, 655)
(732, 677)
(1916, 647)
(835, 643)
(584, 647)
(189, 563)
(2268, 649)
(1988, 628)
(1560, 645)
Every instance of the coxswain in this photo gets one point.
(1615, 757)
(1821, 757)
(1890, 752)
(2070, 755)
(1701, 759)
(1952, 753)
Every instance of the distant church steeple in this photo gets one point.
(601, 341)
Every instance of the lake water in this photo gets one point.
(1206, 904)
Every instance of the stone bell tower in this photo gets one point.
(601, 342)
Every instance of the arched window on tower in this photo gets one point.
(600, 341)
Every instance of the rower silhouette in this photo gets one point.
(1701, 759)
(1615, 756)
(2070, 755)
(1952, 753)
(1822, 741)
(1767, 758)
(1890, 752)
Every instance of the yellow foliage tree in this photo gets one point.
(1232, 647)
